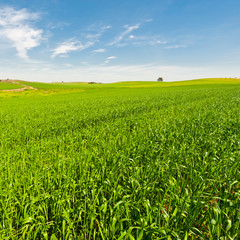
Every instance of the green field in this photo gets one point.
(8, 86)
(138, 160)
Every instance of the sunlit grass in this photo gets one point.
(122, 162)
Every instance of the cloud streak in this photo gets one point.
(100, 50)
(127, 37)
(95, 31)
(16, 26)
(108, 59)
(70, 45)
(90, 38)
(145, 40)
(128, 30)
(176, 46)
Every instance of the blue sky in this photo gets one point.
(113, 40)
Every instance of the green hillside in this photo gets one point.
(8, 86)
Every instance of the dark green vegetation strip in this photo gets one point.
(147, 163)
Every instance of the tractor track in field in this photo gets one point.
(23, 87)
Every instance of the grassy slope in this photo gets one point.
(119, 160)
(8, 86)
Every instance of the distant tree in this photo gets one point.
(160, 79)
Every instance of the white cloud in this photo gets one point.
(16, 26)
(176, 46)
(94, 32)
(108, 59)
(161, 42)
(100, 50)
(144, 40)
(24, 38)
(90, 37)
(149, 20)
(10, 16)
(70, 45)
(112, 57)
(107, 27)
(127, 38)
(128, 30)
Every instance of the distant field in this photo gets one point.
(7, 86)
(53, 87)
(210, 81)
(50, 86)
(138, 160)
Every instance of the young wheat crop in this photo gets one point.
(121, 163)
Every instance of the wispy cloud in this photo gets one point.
(89, 38)
(94, 32)
(112, 57)
(16, 25)
(98, 27)
(145, 40)
(149, 20)
(100, 50)
(127, 37)
(108, 59)
(125, 33)
(70, 45)
(176, 46)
